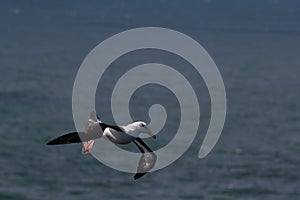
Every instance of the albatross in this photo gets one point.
(96, 129)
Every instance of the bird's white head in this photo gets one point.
(136, 128)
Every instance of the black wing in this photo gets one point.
(104, 126)
(147, 160)
(74, 137)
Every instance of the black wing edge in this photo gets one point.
(77, 137)
(73, 137)
(104, 126)
(139, 175)
(144, 149)
(141, 144)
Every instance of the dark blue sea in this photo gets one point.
(256, 46)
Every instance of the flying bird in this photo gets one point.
(96, 129)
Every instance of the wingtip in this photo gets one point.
(138, 175)
(55, 141)
(51, 142)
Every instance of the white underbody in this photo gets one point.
(117, 136)
(129, 133)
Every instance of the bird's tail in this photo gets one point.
(74, 137)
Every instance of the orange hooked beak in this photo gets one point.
(151, 134)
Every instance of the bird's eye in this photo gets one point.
(143, 125)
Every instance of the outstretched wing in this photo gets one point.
(74, 137)
(147, 160)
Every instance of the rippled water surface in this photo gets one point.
(256, 47)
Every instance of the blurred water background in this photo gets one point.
(255, 44)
